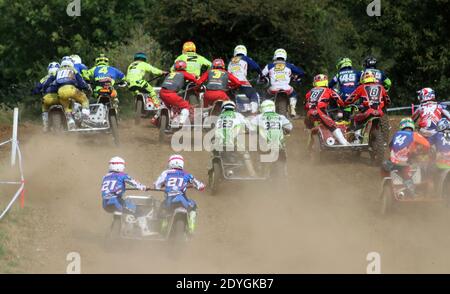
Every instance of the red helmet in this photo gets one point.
(180, 65)
(218, 63)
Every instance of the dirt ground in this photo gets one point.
(326, 221)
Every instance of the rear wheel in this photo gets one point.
(214, 177)
(138, 111)
(316, 150)
(114, 125)
(282, 105)
(56, 121)
(385, 127)
(163, 124)
(378, 147)
(386, 199)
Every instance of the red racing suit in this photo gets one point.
(217, 82)
(174, 82)
(429, 114)
(374, 97)
(316, 103)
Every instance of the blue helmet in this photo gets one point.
(140, 56)
(53, 67)
(443, 125)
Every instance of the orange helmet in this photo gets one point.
(189, 47)
(180, 65)
(218, 63)
(320, 80)
(368, 77)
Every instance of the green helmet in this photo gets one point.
(102, 60)
(140, 56)
(344, 62)
(267, 106)
(406, 123)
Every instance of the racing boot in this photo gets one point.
(45, 122)
(145, 231)
(192, 217)
(184, 116)
(292, 104)
(70, 122)
(253, 107)
(337, 133)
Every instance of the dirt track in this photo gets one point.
(327, 221)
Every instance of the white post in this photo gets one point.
(14, 136)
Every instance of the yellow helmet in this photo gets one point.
(320, 80)
(189, 47)
(368, 77)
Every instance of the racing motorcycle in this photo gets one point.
(103, 116)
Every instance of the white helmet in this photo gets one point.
(117, 164)
(53, 68)
(240, 49)
(67, 63)
(66, 58)
(76, 59)
(228, 105)
(176, 161)
(280, 53)
(267, 106)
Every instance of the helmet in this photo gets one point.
(66, 58)
(140, 56)
(368, 77)
(443, 125)
(406, 123)
(320, 80)
(76, 59)
(370, 62)
(116, 164)
(180, 65)
(426, 94)
(228, 105)
(176, 161)
(67, 63)
(344, 62)
(189, 47)
(267, 106)
(218, 63)
(102, 60)
(240, 50)
(280, 54)
(53, 67)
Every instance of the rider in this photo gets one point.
(174, 82)
(195, 62)
(101, 71)
(114, 186)
(136, 77)
(405, 144)
(374, 98)
(239, 66)
(370, 63)
(217, 81)
(429, 112)
(280, 73)
(69, 83)
(316, 104)
(228, 135)
(49, 91)
(175, 182)
(271, 127)
(441, 143)
(78, 64)
(347, 78)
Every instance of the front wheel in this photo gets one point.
(113, 124)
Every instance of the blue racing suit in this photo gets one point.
(113, 188)
(347, 80)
